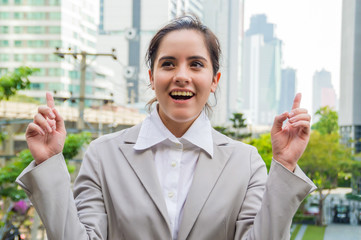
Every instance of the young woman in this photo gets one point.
(173, 176)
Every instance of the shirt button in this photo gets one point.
(170, 194)
(173, 164)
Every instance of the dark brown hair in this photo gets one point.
(185, 23)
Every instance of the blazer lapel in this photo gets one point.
(205, 177)
(143, 165)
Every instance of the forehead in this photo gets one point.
(185, 41)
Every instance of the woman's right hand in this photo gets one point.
(46, 134)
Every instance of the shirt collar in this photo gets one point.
(153, 132)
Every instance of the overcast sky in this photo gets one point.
(311, 35)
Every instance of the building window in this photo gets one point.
(36, 57)
(19, 15)
(54, 15)
(36, 2)
(55, 43)
(4, 29)
(18, 43)
(36, 43)
(36, 16)
(54, 2)
(56, 86)
(54, 30)
(55, 72)
(4, 57)
(36, 29)
(18, 57)
(91, 44)
(53, 58)
(4, 43)
(74, 74)
(18, 29)
(4, 15)
(37, 86)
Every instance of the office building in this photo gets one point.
(323, 93)
(30, 32)
(261, 72)
(225, 19)
(350, 81)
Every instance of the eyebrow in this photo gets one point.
(189, 58)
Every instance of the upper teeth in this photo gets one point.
(180, 93)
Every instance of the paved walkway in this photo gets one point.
(301, 232)
(343, 232)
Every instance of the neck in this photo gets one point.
(178, 129)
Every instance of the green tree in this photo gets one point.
(238, 124)
(324, 160)
(328, 122)
(264, 147)
(11, 82)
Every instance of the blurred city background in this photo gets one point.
(91, 55)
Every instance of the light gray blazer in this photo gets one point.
(117, 194)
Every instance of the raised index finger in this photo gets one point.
(50, 100)
(297, 101)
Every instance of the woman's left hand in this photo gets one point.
(290, 141)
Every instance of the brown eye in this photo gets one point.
(167, 64)
(197, 64)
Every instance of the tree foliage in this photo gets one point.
(264, 147)
(11, 82)
(238, 130)
(328, 122)
(326, 160)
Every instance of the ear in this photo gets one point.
(215, 82)
(151, 79)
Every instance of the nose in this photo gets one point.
(182, 76)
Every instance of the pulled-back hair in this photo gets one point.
(186, 23)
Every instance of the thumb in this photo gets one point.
(278, 123)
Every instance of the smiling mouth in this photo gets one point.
(181, 95)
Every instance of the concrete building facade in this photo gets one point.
(350, 79)
(225, 19)
(30, 32)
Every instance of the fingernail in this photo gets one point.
(52, 115)
(42, 132)
(291, 114)
(49, 129)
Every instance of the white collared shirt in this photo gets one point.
(175, 159)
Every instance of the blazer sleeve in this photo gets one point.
(271, 203)
(49, 189)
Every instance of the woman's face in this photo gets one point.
(182, 76)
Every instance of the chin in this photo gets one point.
(184, 117)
